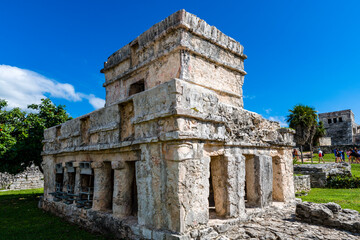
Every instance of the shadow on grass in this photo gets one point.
(20, 218)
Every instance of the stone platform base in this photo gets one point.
(106, 223)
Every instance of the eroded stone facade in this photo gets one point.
(173, 148)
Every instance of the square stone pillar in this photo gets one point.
(66, 178)
(235, 206)
(283, 180)
(77, 177)
(187, 187)
(102, 186)
(266, 179)
(48, 166)
(123, 196)
(259, 176)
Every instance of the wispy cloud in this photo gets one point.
(280, 119)
(250, 97)
(268, 110)
(21, 87)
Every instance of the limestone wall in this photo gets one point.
(30, 178)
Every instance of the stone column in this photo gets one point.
(259, 176)
(102, 191)
(219, 176)
(77, 178)
(283, 182)
(187, 185)
(65, 178)
(235, 206)
(278, 186)
(123, 189)
(48, 165)
(266, 178)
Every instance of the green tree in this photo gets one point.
(320, 132)
(304, 120)
(21, 133)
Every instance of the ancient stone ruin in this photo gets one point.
(173, 150)
(319, 173)
(30, 178)
(341, 128)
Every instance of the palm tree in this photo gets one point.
(320, 132)
(304, 120)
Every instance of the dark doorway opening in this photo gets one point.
(218, 199)
(137, 87)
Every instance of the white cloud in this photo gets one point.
(250, 97)
(280, 119)
(268, 110)
(95, 101)
(21, 87)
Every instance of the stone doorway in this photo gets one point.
(252, 187)
(133, 189)
(277, 190)
(218, 187)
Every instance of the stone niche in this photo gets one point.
(173, 150)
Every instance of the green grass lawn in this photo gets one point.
(355, 170)
(20, 218)
(329, 157)
(346, 198)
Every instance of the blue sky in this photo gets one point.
(298, 51)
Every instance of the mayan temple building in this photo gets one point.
(341, 128)
(173, 151)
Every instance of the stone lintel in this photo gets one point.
(96, 165)
(76, 164)
(118, 165)
(181, 151)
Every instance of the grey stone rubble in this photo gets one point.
(276, 224)
(30, 178)
(341, 127)
(329, 214)
(320, 172)
(302, 183)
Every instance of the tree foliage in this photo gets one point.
(320, 132)
(21, 133)
(304, 120)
